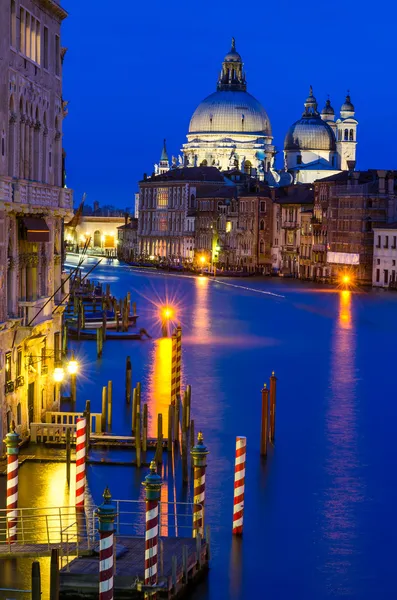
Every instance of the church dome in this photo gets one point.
(328, 110)
(310, 133)
(230, 112)
(347, 106)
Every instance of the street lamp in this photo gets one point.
(167, 313)
(72, 368)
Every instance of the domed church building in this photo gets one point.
(230, 128)
(316, 146)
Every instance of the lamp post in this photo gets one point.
(58, 376)
(166, 315)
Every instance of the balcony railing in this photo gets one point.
(35, 194)
(289, 224)
(20, 381)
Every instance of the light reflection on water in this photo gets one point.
(345, 486)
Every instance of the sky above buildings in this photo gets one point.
(135, 72)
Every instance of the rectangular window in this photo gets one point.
(378, 244)
(393, 262)
(386, 276)
(19, 362)
(377, 275)
(162, 197)
(57, 55)
(378, 261)
(386, 241)
(394, 242)
(29, 44)
(13, 25)
(8, 367)
(263, 206)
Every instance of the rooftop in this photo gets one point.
(187, 174)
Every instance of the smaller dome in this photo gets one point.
(310, 133)
(233, 55)
(328, 110)
(347, 106)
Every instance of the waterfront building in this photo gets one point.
(127, 247)
(292, 200)
(230, 128)
(385, 256)
(167, 211)
(33, 205)
(348, 207)
(317, 146)
(100, 231)
(306, 244)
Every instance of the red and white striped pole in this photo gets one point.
(106, 515)
(178, 359)
(12, 440)
(152, 485)
(80, 461)
(239, 483)
(173, 368)
(199, 454)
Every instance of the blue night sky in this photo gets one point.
(135, 72)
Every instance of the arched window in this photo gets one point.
(340, 135)
(247, 167)
(346, 135)
(351, 135)
(11, 139)
(97, 238)
(192, 200)
(261, 247)
(44, 165)
(262, 225)
(36, 146)
(203, 163)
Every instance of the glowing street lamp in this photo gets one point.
(72, 367)
(58, 374)
(167, 313)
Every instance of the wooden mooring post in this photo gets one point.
(264, 421)
(36, 581)
(128, 380)
(170, 427)
(144, 428)
(68, 456)
(54, 574)
(138, 437)
(159, 448)
(272, 432)
(99, 342)
(110, 402)
(103, 414)
(87, 414)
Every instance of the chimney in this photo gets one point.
(144, 176)
(382, 177)
(126, 218)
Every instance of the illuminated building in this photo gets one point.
(33, 204)
(167, 211)
(316, 146)
(127, 243)
(101, 231)
(230, 128)
(385, 256)
(348, 207)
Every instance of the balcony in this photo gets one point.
(29, 310)
(35, 194)
(318, 247)
(289, 225)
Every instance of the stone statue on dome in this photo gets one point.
(180, 161)
(156, 169)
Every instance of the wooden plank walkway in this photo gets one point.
(35, 550)
(81, 576)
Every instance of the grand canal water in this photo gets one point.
(320, 512)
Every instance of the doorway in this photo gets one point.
(30, 403)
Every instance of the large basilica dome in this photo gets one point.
(230, 128)
(229, 111)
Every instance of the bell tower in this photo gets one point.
(346, 140)
(164, 165)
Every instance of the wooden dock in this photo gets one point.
(80, 578)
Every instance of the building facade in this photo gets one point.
(127, 247)
(33, 205)
(167, 209)
(100, 231)
(349, 206)
(385, 256)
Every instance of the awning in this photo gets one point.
(34, 229)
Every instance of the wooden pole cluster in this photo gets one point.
(268, 421)
(128, 380)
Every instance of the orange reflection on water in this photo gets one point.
(345, 310)
(201, 319)
(345, 487)
(160, 385)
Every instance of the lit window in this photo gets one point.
(162, 197)
(30, 36)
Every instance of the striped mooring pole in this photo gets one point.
(152, 485)
(178, 359)
(173, 368)
(106, 514)
(12, 440)
(80, 461)
(199, 455)
(239, 483)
